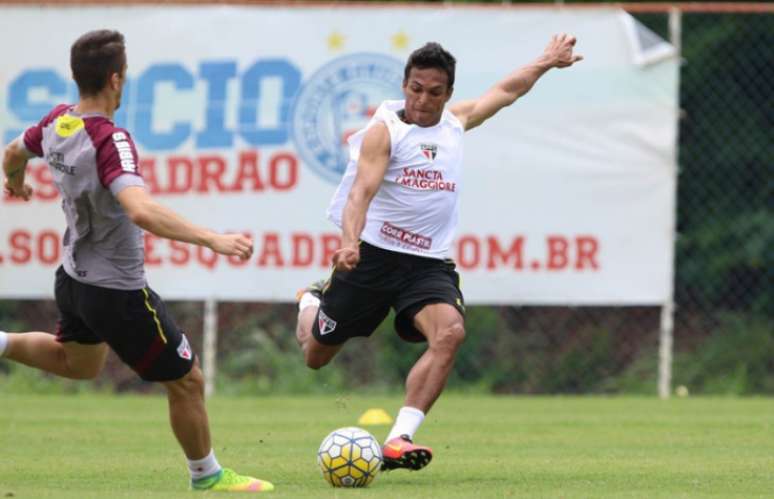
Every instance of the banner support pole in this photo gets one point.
(666, 326)
(209, 345)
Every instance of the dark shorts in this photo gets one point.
(135, 324)
(354, 303)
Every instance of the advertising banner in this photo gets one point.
(241, 114)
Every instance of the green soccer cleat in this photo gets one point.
(227, 480)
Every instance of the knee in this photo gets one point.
(449, 338)
(84, 372)
(315, 361)
(191, 384)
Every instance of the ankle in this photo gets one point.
(206, 482)
(205, 468)
(407, 423)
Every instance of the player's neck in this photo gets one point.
(97, 104)
(405, 119)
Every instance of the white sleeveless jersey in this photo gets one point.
(416, 208)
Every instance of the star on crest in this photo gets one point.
(336, 41)
(400, 40)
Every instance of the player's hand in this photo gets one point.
(346, 259)
(24, 191)
(233, 245)
(559, 51)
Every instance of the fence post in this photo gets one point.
(666, 336)
(209, 345)
(665, 350)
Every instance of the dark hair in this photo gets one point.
(94, 57)
(431, 55)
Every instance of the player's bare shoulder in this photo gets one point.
(462, 110)
(376, 142)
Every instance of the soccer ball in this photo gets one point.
(349, 457)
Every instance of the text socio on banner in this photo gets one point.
(567, 197)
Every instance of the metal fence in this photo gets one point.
(723, 334)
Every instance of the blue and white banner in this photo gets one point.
(241, 115)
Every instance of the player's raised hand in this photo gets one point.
(24, 191)
(559, 51)
(233, 245)
(346, 259)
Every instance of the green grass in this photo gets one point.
(83, 446)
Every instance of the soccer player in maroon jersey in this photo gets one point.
(101, 292)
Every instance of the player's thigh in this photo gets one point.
(348, 310)
(88, 360)
(318, 354)
(440, 323)
(417, 317)
(138, 327)
(71, 329)
(189, 386)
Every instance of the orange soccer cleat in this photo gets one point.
(400, 452)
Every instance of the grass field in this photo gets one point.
(120, 446)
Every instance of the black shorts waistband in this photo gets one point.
(397, 256)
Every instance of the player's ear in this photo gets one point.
(449, 92)
(115, 81)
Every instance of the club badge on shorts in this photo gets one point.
(325, 323)
(184, 349)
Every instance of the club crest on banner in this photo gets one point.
(337, 101)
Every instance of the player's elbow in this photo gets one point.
(137, 205)
(140, 215)
(361, 195)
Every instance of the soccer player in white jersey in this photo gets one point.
(397, 207)
(101, 291)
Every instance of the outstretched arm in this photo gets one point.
(163, 222)
(371, 167)
(557, 54)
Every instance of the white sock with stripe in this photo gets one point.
(308, 300)
(407, 423)
(3, 342)
(204, 467)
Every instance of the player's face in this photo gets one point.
(426, 91)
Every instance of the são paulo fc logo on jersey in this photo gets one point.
(337, 101)
(430, 151)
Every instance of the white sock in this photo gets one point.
(407, 423)
(204, 467)
(3, 342)
(308, 300)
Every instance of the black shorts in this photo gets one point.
(354, 303)
(134, 323)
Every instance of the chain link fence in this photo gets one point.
(724, 331)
